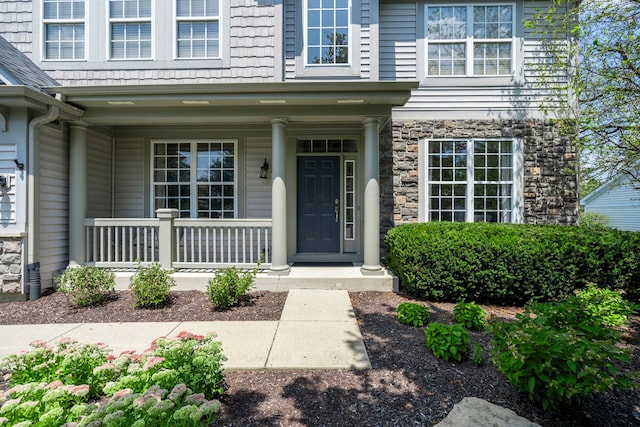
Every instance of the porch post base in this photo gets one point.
(279, 270)
(371, 270)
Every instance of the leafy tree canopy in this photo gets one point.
(601, 63)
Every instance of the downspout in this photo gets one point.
(33, 249)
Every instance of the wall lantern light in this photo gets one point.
(263, 169)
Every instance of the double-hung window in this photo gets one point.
(472, 40)
(198, 28)
(64, 36)
(130, 22)
(198, 178)
(471, 180)
(327, 32)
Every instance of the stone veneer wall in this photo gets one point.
(550, 185)
(10, 267)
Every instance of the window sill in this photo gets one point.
(133, 64)
(472, 81)
(327, 71)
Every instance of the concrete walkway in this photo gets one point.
(317, 330)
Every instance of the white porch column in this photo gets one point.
(166, 237)
(371, 210)
(279, 264)
(77, 193)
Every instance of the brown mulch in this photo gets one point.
(406, 387)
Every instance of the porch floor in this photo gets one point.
(349, 278)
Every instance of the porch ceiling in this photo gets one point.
(317, 101)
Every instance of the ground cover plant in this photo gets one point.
(176, 382)
(413, 314)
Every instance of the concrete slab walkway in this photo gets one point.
(317, 330)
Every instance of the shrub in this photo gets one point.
(413, 314)
(84, 286)
(150, 286)
(606, 305)
(593, 219)
(446, 341)
(556, 352)
(228, 285)
(470, 315)
(511, 264)
(477, 354)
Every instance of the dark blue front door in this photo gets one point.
(318, 204)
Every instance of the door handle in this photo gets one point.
(337, 209)
(337, 213)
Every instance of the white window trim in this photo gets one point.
(305, 44)
(470, 40)
(44, 21)
(109, 40)
(517, 178)
(219, 18)
(193, 181)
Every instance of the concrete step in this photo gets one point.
(350, 279)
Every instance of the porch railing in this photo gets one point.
(177, 243)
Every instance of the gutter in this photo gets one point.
(33, 249)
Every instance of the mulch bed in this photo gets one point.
(406, 387)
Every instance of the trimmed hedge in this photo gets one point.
(511, 264)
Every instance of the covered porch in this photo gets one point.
(289, 126)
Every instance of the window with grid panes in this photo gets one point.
(196, 178)
(470, 180)
(198, 28)
(327, 32)
(470, 40)
(64, 31)
(130, 24)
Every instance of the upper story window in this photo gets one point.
(130, 22)
(327, 32)
(471, 180)
(64, 37)
(198, 28)
(473, 40)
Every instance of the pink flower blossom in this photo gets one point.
(110, 357)
(54, 385)
(185, 335)
(66, 340)
(38, 344)
(152, 362)
(121, 393)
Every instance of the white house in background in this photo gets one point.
(618, 200)
(207, 133)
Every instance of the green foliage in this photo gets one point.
(447, 341)
(51, 386)
(606, 305)
(511, 264)
(84, 286)
(556, 352)
(228, 285)
(413, 314)
(150, 286)
(477, 354)
(470, 315)
(593, 219)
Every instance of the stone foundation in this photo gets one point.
(550, 192)
(11, 269)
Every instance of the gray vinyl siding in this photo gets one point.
(99, 151)
(54, 202)
(620, 203)
(402, 57)
(398, 41)
(129, 178)
(258, 190)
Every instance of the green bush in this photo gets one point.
(470, 315)
(606, 305)
(593, 219)
(511, 264)
(413, 314)
(84, 286)
(228, 285)
(150, 286)
(447, 341)
(556, 352)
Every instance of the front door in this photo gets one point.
(318, 204)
